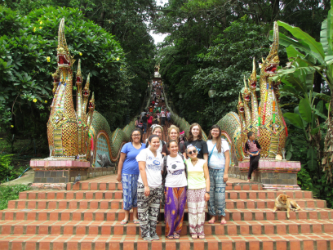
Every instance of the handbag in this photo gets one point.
(210, 154)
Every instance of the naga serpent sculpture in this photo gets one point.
(265, 119)
(79, 133)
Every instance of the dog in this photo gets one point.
(284, 202)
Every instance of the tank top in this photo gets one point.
(195, 174)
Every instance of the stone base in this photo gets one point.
(96, 172)
(62, 171)
(48, 186)
(272, 174)
(59, 170)
(279, 187)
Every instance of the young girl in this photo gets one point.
(173, 135)
(149, 188)
(174, 174)
(195, 139)
(218, 165)
(128, 173)
(252, 147)
(158, 130)
(197, 193)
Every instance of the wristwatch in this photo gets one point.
(207, 192)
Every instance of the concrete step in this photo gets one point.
(118, 204)
(118, 214)
(115, 228)
(115, 193)
(131, 242)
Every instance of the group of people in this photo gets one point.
(173, 174)
(148, 120)
(156, 113)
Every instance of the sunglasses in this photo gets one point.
(190, 152)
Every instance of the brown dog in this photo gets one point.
(283, 202)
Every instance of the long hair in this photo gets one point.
(219, 139)
(139, 130)
(190, 137)
(171, 128)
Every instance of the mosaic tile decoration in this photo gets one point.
(82, 133)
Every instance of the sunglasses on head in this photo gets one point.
(190, 152)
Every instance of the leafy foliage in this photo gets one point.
(8, 193)
(231, 58)
(7, 171)
(307, 56)
(28, 58)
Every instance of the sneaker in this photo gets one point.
(155, 237)
(147, 238)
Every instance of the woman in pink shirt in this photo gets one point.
(150, 120)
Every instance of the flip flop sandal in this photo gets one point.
(170, 237)
(211, 222)
(124, 222)
(194, 236)
(176, 236)
(223, 222)
(201, 236)
(136, 221)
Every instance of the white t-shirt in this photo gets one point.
(154, 166)
(217, 160)
(162, 114)
(176, 172)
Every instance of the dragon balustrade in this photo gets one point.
(78, 139)
(265, 119)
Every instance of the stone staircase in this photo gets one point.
(87, 217)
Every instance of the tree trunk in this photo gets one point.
(102, 19)
(327, 160)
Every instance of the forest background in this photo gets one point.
(210, 44)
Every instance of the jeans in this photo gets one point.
(144, 127)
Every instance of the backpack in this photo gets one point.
(165, 173)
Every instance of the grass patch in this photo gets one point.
(8, 193)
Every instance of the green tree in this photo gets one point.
(310, 56)
(28, 58)
(229, 59)
(201, 29)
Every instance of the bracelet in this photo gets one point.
(207, 192)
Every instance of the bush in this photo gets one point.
(7, 171)
(8, 193)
